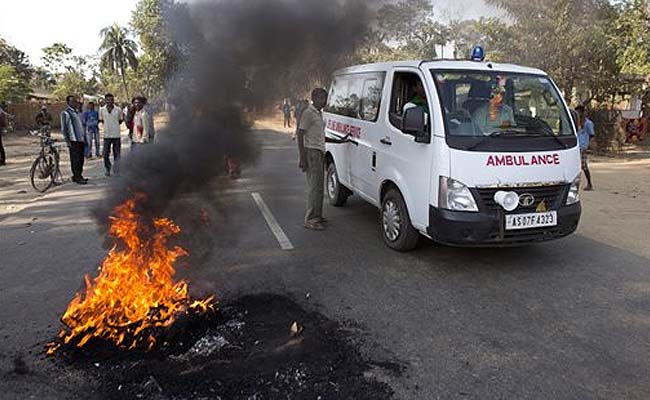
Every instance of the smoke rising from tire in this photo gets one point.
(237, 58)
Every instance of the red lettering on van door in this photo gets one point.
(556, 159)
(490, 161)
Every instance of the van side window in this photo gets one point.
(356, 95)
(407, 88)
(339, 98)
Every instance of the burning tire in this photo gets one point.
(397, 231)
(337, 194)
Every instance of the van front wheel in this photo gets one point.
(337, 194)
(396, 226)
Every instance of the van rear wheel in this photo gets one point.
(337, 194)
(397, 231)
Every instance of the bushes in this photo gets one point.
(610, 134)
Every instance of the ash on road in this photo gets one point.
(249, 352)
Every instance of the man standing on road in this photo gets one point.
(111, 117)
(143, 129)
(91, 123)
(3, 125)
(585, 133)
(311, 145)
(73, 133)
(286, 111)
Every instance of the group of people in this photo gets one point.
(80, 130)
(634, 130)
(289, 110)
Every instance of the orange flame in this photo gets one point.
(134, 290)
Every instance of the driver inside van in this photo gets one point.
(494, 113)
(418, 99)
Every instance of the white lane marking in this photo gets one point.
(285, 243)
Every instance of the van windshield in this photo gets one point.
(499, 104)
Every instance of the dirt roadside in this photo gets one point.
(616, 213)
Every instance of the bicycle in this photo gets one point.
(45, 170)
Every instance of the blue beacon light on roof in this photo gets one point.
(478, 54)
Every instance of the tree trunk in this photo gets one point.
(126, 89)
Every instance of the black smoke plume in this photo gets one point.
(238, 58)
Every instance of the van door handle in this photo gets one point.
(386, 141)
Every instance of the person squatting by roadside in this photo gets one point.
(74, 135)
(585, 133)
(110, 116)
(90, 119)
(43, 120)
(143, 128)
(311, 147)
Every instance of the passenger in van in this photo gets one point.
(494, 113)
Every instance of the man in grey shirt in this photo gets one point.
(311, 144)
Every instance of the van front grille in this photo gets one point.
(552, 196)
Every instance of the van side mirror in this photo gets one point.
(413, 123)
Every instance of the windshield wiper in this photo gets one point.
(549, 132)
(487, 137)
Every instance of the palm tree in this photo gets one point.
(119, 52)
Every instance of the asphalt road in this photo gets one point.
(563, 320)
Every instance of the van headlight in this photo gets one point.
(453, 195)
(574, 192)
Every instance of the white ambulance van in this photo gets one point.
(465, 153)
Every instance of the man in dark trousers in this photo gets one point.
(110, 116)
(3, 125)
(286, 110)
(585, 133)
(74, 135)
(311, 147)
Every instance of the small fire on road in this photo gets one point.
(134, 294)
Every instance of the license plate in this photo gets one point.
(533, 220)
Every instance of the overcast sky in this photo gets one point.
(31, 25)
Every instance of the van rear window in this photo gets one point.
(356, 95)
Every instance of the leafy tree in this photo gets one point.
(160, 57)
(58, 58)
(632, 36)
(65, 72)
(119, 52)
(42, 78)
(13, 86)
(569, 39)
(410, 26)
(74, 82)
(10, 55)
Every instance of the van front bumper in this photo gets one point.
(488, 229)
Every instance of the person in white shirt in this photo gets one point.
(143, 128)
(111, 118)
